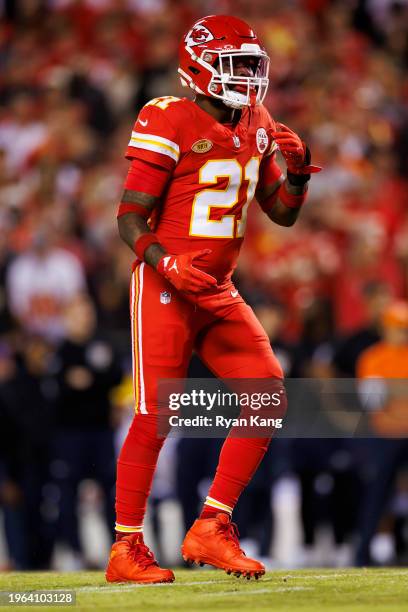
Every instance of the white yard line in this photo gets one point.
(131, 587)
(344, 575)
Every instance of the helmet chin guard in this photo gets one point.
(210, 54)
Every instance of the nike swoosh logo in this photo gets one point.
(234, 293)
(143, 123)
(174, 267)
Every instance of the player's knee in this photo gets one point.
(273, 394)
(267, 405)
(144, 431)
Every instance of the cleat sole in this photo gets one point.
(189, 561)
(125, 581)
(238, 573)
(248, 574)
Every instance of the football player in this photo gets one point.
(195, 168)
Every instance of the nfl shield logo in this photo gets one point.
(236, 140)
(165, 297)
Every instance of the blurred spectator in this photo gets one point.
(314, 351)
(40, 283)
(5, 258)
(11, 499)
(365, 262)
(22, 133)
(86, 369)
(376, 297)
(388, 451)
(329, 495)
(27, 395)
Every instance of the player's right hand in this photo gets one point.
(179, 270)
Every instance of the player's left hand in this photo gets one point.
(294, 150)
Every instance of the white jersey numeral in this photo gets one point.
(229, 225)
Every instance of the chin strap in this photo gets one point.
(235, 100)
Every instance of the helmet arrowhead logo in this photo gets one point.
(198, 36)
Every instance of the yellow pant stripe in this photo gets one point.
(135, 336)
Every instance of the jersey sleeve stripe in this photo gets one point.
(158, 140)
(156, 147)
(166, 141)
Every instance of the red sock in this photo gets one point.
(136, 465)
(120, 535)
(239, 460)
(210, 512)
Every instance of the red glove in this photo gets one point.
(294, 150)
(179, 270)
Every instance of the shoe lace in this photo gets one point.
(230, 532)
(143, 556)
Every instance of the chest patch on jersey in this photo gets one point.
(261, 139)
(202, 146)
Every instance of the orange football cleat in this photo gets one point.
(215, 541)
(132, 561)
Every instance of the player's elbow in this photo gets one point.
(286, 220)
(130, 225)
(122, 227)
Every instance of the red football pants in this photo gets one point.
(166, 328)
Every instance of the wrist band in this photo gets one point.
(125, 208)
(298, 180)
(290, 200)
(143, 242)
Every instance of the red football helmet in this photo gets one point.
(210, 55)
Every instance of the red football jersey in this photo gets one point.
(215, 169)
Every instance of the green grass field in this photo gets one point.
(304, 590)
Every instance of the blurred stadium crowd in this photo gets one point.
(73, 75)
